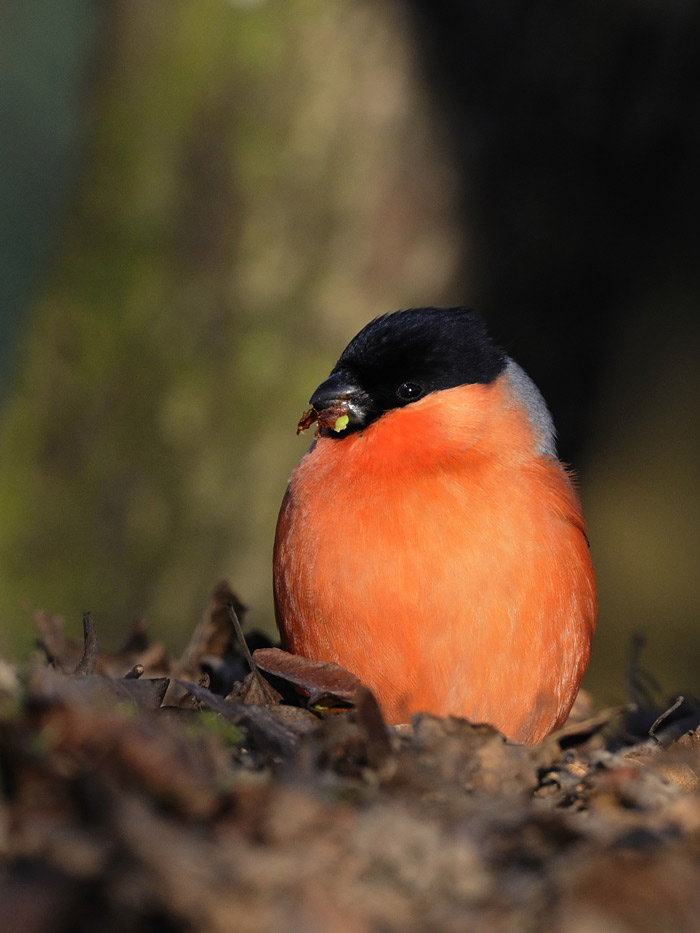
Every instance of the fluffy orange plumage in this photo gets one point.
(438, 552)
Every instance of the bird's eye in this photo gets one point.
(409, 391)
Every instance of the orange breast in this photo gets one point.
(440, 559)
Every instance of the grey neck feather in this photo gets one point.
(525, 390)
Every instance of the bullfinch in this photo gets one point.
(430, 541)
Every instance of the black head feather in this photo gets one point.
(401, 357)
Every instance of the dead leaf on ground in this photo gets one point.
(327, 686)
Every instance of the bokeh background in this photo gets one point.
(200, 203)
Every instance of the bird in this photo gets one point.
(430, 541)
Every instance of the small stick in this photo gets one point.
(592, 724)
(88, 663)
(135, 672)
(665, 715)
(263, 684)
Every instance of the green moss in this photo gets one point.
(214, 724)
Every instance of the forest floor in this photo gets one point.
(145, 793)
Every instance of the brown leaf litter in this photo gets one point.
(141, 792)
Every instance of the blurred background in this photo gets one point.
(201, 203)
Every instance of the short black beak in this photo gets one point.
(334, 389)
(339, 388)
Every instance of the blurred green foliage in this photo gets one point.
(249, 196)
(45, 55)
